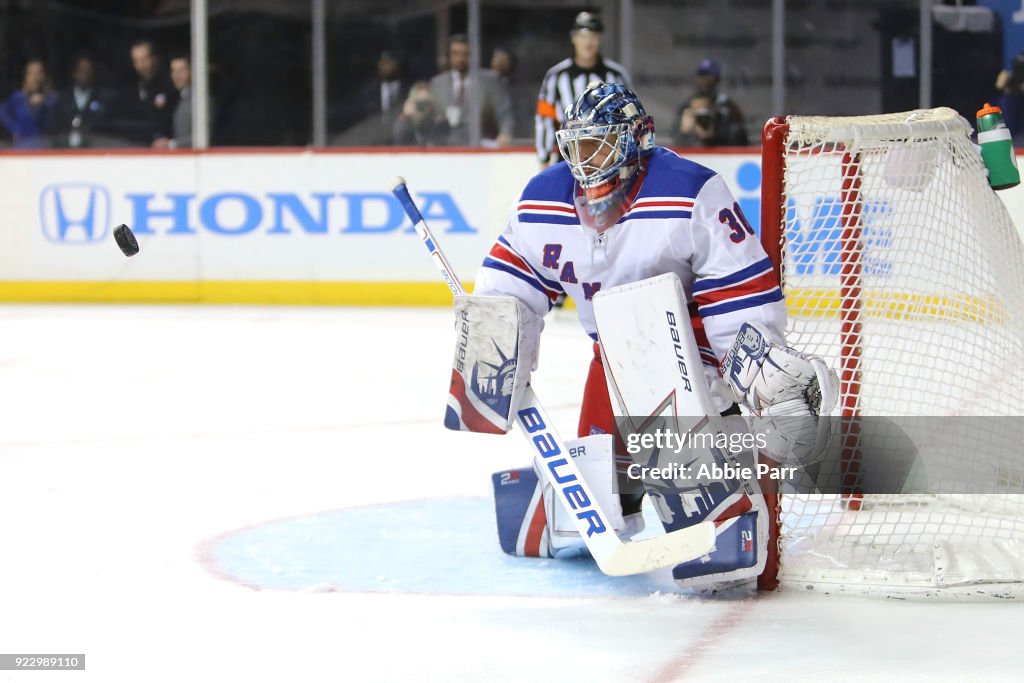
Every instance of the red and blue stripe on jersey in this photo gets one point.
(504, 258)
(748, 287)
(539, 211)
(549, 197)
(560, 213)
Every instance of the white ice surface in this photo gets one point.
(132, 436)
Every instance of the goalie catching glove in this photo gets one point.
(786, 390)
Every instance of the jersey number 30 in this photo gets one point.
(737, 222)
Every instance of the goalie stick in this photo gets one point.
(614, 556)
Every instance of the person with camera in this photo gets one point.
(710, 118)
(1010, 84)
(421, 123)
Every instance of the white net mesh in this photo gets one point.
(904, 270)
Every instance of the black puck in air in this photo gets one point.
(126, 240)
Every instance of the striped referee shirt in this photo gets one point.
(563, 83)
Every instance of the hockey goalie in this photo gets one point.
(683, 307)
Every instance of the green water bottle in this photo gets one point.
(997, 148)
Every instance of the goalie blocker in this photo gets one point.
(497, 339)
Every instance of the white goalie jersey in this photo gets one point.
(682, 219)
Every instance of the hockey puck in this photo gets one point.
(126, 240)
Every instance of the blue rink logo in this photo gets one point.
(441, 545)
(74, 213)
(748, 180)
(80, 212)
(815, 237)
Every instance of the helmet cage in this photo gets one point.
(606, 133)
(596, 153)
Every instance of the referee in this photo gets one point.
(565, 81)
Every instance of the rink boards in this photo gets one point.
(263, 226)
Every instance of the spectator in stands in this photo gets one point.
(148, 107)
(453, 90)
(28, 112)
(503, 64)
(709, 118)
(1010, 84)
(421, 122)
(565, 82)
(82, 117)
(384, 101)
(391, 91)
(181, 119)
(368, 116)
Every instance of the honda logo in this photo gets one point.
(75, 213)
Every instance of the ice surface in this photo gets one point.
(189, 494)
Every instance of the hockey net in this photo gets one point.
(903, 269)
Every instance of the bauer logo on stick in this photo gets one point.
(126, 240)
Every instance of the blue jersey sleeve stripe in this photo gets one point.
(740, 304)
(656, 215)
(544, 218)
(554, 286)
(743, 274)
(504, 242)
(505, 268)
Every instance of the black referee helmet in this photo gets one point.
(588, 21)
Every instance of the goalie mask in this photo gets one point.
(606, 134)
